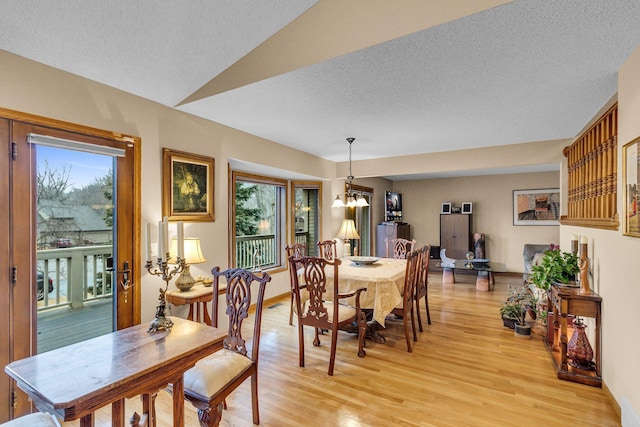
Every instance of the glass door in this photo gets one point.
(74, 246)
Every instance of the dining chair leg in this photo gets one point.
(413, 326)
(426, 303)
(316, 340)
(334, 342)
(291, 310)
(362, 331)
(419, 315)
(405, 323)
(254, 398)
(301, 343)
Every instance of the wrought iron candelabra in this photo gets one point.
(162, 270)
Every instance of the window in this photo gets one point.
(362, 217)
(306, 214)
(259, 221)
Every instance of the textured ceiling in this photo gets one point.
(402, 77)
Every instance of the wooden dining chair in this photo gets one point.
(213, 378)
(422, 283)
(297, 250)
(327, 250)
(37, 419)
(400, 247)
(322, 309)
(405, 309)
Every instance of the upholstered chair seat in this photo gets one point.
(37, 419)
(215, 371)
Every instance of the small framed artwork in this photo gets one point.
(630, 177)
(446, 208)
(187, 186)
(466, 207)
(536, 207)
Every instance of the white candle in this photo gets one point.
(165, 238)
(148, 238)
(161, 253)
(584, 240)
(180, 239)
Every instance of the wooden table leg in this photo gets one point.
(178, 402)
(207, 319)
(117, 413)
(190, 315)
(87, 421)
(149, 407)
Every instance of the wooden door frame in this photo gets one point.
(128, 243)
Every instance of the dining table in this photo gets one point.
(384, 280)
(72, 382)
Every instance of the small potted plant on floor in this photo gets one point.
(519, 303)
(510, 310)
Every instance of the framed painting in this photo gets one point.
(187, 186)
(467, 207)
(446, 208)
(630, 177)
(536, 207)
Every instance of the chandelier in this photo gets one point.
(349, 199)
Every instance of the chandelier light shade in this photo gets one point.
(350, 199)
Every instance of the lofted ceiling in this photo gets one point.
(403, 77)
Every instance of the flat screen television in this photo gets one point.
(393, 206)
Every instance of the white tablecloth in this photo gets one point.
(384, 281)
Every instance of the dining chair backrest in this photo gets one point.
(36, 419)
(422, 283)
(215, 376)
(327, 249)
(238, 300)
(322, 310)
(408, 295)
(297, 250)
(399, 247)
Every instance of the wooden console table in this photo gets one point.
(197, 297)
(564, 301)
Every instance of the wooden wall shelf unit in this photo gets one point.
(563, 302)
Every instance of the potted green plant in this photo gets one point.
(514, 310)
(555, 267)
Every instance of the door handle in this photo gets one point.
(126, 281)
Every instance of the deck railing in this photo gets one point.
(79, 275)
(259, 251)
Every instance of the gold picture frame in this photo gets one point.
(630, 188)
(187, 186)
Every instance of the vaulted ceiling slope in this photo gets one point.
(402, 77)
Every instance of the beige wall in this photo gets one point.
(615, 265)
(492, 213)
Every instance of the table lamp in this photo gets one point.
(192, 255)
(347, 232)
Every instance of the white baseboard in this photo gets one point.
(630, 418)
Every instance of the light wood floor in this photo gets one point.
(465, 370)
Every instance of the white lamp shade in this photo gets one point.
(348, 230)
(338, 203)
(192, 251)
(362, 201)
